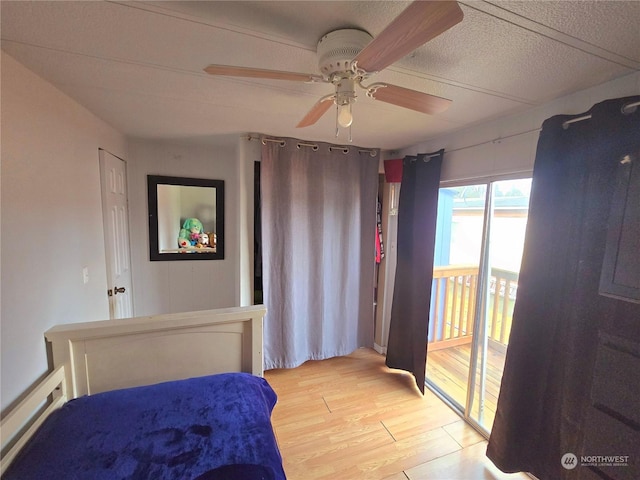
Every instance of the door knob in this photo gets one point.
(117, 290)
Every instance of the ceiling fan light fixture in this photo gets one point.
(345, 96)
(345, 116)
(347, 57)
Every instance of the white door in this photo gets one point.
(113, 180)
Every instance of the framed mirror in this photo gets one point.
(186, 218)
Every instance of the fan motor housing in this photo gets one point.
(337, 49)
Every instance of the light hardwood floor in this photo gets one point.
(352, 418)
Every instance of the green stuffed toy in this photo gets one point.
(190, 233)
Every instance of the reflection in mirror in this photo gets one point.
(186, 218)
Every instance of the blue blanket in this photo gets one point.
(213, 427)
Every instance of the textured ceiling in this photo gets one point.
(138, 65)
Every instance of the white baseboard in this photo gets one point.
(379, 349)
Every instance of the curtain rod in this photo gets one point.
(495, 140)
(313, 146)
(627, 109)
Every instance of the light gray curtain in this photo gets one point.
(318, 245)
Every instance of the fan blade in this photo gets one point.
(319, 109)
(232, 71)
(416, 25)
(406, 98)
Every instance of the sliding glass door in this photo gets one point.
(477, 259)
(461, 212)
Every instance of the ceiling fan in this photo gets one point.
(348, 57)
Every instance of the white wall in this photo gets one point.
(179, 286)
(51, 222)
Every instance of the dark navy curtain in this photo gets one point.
(559, 313)
(417, 213)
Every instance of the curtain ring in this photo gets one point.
(427, 158)
(344, 150)
(282, 143)
(629, 108)
(371, 153)
(565, 124)
(313, 146)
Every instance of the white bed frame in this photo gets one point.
(95, 357)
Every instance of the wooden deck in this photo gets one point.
(352, 418)
(448, 368)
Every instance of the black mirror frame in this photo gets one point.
(152, 197)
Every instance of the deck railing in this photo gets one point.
(454, 301)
